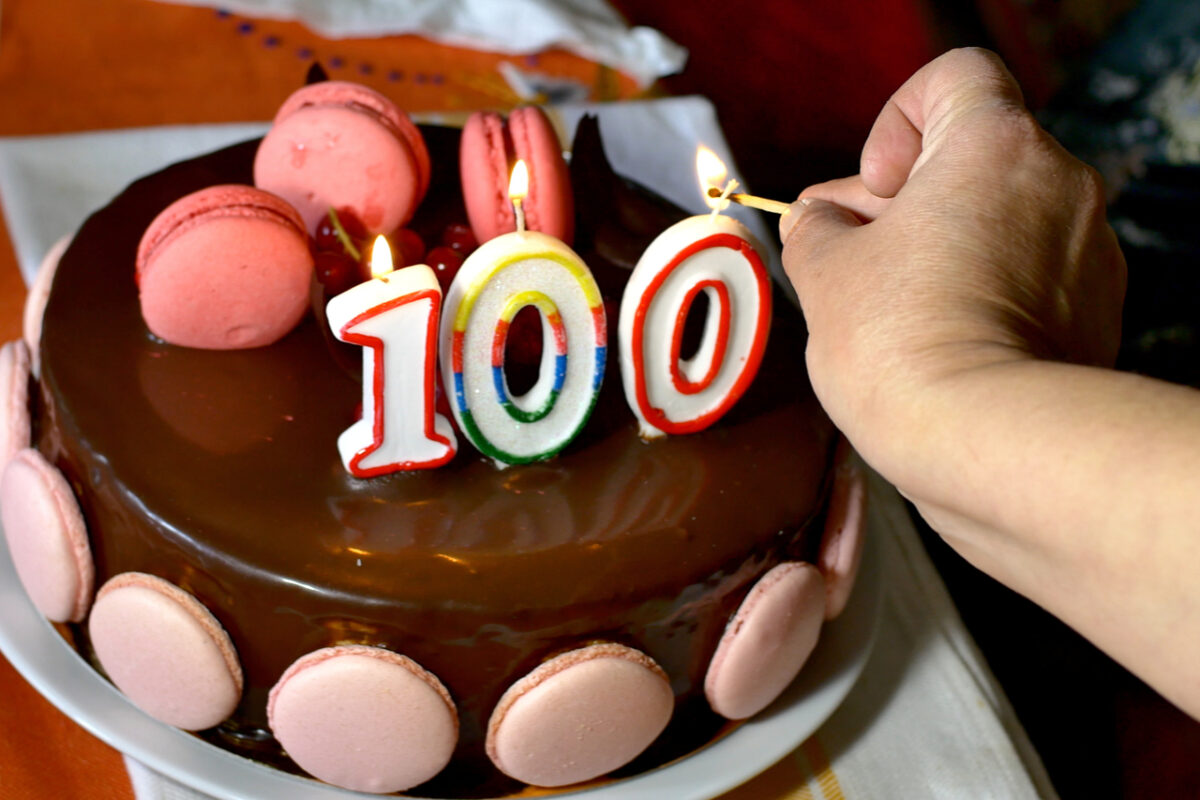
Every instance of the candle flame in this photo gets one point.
(381, 257)
(710, 171)
(518, 182)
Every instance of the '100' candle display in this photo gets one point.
(396, 318)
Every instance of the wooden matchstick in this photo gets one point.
(753, 201)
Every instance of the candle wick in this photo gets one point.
(519, 212)
(722, 199)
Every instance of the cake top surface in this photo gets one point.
(235, 451)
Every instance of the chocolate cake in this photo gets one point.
(217, 471)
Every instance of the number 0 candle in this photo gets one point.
(711, 254)
(394, 317)
(504, 275)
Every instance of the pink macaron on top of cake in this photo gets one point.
(342, 146)
(490, 147)
(227, 267)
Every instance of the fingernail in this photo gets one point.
(787, 219)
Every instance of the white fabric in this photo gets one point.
(926, 719)
(589, 28)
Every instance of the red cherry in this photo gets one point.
(407, 246)
(326, 238)
(336, 271)
(352, 225)
(459, 237)
(445, 263)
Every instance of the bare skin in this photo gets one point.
(963, 296)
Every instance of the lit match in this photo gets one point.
(753, 201)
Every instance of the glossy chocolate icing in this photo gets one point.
(218, 471)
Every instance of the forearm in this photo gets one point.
(1078, 487)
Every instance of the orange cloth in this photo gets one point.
(44, 754)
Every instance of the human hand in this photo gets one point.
(969, 238)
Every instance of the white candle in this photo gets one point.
(505, 274)
(717, 255)
(394, 317)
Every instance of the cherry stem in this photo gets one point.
(344, 237)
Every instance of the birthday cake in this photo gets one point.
(463, 629)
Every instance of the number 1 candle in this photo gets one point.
(394, 317)
(718, 256)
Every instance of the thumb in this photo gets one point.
(809, 224)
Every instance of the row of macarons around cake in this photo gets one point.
(371, 719)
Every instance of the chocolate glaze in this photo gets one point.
(218, 471)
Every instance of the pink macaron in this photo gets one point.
(845, 530)
(165, 651)
(15, 425)
(224, 268)
(344, 146)
(364, 718)
(767, 641)
(579, 715)
(47, 536)
(487, 153)
(36, 299)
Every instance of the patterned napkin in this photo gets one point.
(589, 28)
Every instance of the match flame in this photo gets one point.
(710, 171)
(518, 182)
(381, 257)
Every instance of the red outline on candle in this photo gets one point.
(682, 384)
(655, 416)
(376, 344)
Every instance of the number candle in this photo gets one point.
(505, 274)
(394, 317)
(718, 256)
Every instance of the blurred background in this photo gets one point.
(797, 84)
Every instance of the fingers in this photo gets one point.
(917, 118)
(850, 193)
(890, 151)
(808, 228)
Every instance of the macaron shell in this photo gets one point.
(346, 93)
(485, 161)
(225, 268)
(579, 715)
(845, 530)
(364, 718)
(35, 300)
(342, 146)
(15, 425)
(46, 537)
(550, 204)
(768, 640)
(484, 166)
(165, 651)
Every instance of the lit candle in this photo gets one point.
(394, 318)
(518, 187)
(718, 256)
(502, 276)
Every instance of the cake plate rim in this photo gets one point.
(48, 662)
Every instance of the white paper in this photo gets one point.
(589, 28)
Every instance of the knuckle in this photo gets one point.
(1090, 189)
